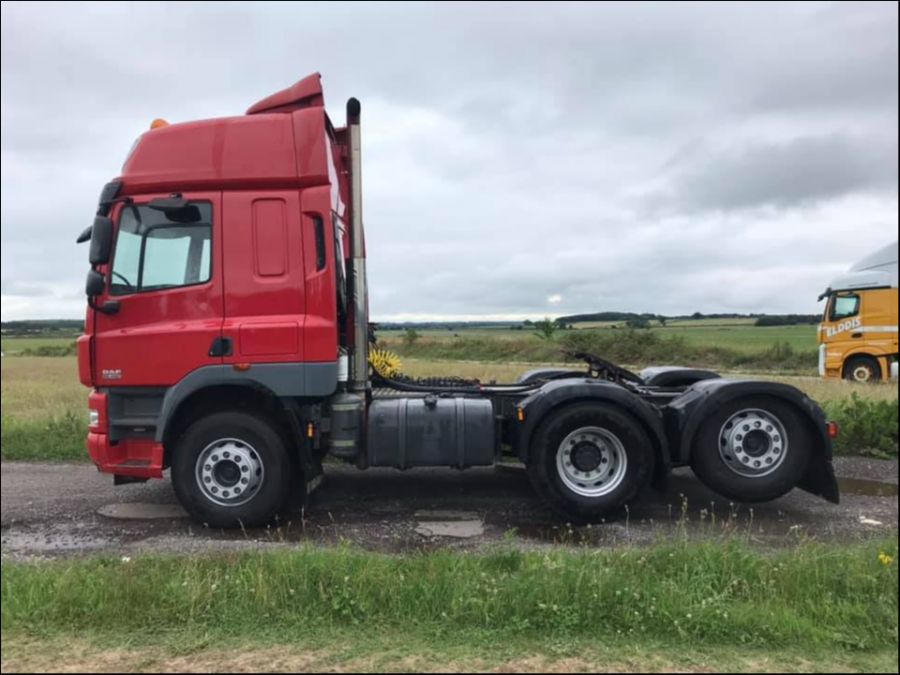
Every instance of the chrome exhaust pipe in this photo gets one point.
(359, 370)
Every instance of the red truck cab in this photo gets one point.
(227, 339)
(266, 197)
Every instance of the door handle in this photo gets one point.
(856, 335)
(221, 346)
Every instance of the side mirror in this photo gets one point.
(101, 240)
(95, 284)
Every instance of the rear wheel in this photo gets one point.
(590, 459)
(232, 469)
(862, 369)
(753, 449)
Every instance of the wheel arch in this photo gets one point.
(686, 414)
(562, 393)
(204, 392)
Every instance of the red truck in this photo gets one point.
(227, 339)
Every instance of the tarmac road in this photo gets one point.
(51, 510)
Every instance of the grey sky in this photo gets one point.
(519, 160)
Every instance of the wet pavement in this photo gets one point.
(51, 510)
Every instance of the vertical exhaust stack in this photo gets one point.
(359, 366)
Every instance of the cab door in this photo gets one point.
(265, 299)
(166, 276)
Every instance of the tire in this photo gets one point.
(589, 433)
(757, 464)
(236, 446)
(862, 369)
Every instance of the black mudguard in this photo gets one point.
(557, 393)
(684, 415)
(675, 376)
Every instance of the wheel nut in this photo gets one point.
(208, 467)
(215, 458)
(244, 481)
(226, 454)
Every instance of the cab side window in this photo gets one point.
(844, 306)
(157, 251)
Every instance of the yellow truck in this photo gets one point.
(858, 333)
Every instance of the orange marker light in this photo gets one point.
(520, 414)
(833, 430)
(157, 123)
(310, 430)
(241, 367)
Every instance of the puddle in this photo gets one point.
(867, 488)
(142, 511)
(456, 529)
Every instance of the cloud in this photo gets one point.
(659, 157)
(796, 172)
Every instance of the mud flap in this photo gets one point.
(820, 480)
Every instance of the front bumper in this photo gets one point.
(137, 458)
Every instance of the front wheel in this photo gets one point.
(862, 369)
(753, 449)
(589, 460)
(232, 469)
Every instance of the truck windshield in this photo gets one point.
(154, 252)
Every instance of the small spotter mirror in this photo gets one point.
(95, 284)
(177, 209)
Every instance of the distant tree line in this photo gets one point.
(788, 319)
(50, 327)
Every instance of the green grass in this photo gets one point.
(44, 406)
(866, 426)
(414, 650)
(746, 338)
(15, 346)
(636, 347)
(53, 439)
(704, 594)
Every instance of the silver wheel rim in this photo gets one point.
(591, 461)
(229, 472)
(753, 443)
(862, 374)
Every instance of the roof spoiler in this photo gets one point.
(307, 93)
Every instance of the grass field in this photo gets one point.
(738, 334)
(12, 346)
(44, 406)
(676, 606)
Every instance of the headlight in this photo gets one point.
(93, 418)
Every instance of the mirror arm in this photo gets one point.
(108, 307)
